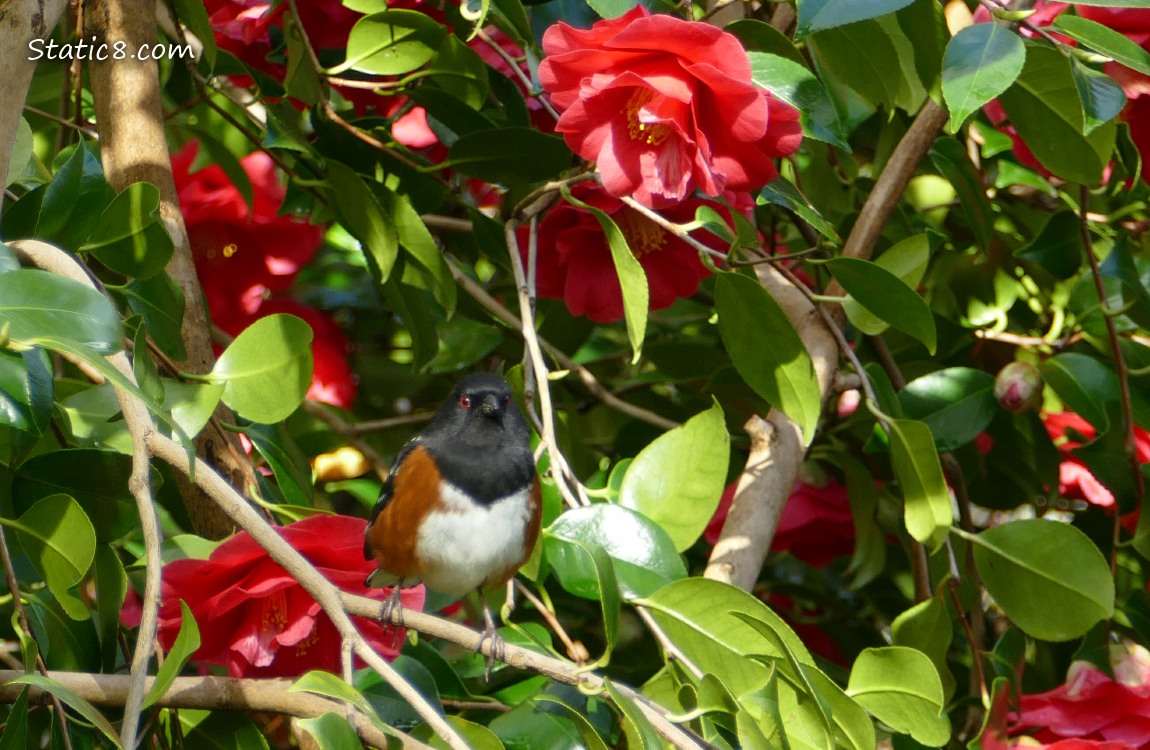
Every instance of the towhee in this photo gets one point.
(460, 509)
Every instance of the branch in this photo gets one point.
(209, 693)
(22, 21)
(139, 422)
(133, 148)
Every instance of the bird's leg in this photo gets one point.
(490, 634)
(393, 607)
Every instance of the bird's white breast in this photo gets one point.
(462, 543)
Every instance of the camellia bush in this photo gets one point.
(830, 317)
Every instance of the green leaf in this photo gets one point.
(587, 731)
(362, 215)
(413, 308)
(887, 296)
(477, 736)
(461, 72)
(327, 684)
(677, 480)
(130, 237)
(697, 615)
(57, 536)
(15, 735)
(38, 304)
(826, 14)
(585, 568)
(766, 350)
(187, 643)
(191, 404)
(509, 155)
(331, 732)
(795, 84)
(862, 56)
(1044, 106)
(1115, 45)
(981, 62)
(393, 42)
(1119, 264)
(927, 627)
(26, 390)
(952, 162)
(74, 702)
(632, 277)
(266, 370)
(636, 726)
(1101, 96)
(906, 259)
(901, 688)
(915, 463)
(611, 8)
(642, 554)
(1083, 383)
(415, 238)
(195, 16)
(111, 590)
(782, 192)
(1034, 567)
(1057, 247)
(286, 460)
(160, 302)
(21, 152)
(301, 81)
(956, 403)
(220, 730)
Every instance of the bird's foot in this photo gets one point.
(391, 614)
(497, 650)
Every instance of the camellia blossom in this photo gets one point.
(1075, 481)
(574, 260)
(1092, 706)
(664, 106)
(256, 619)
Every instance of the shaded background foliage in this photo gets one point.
(960, 559)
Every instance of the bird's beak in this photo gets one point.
(490, 405)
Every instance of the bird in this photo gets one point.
(460, 509)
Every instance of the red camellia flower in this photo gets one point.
(1075, 481)
(257, 620)
(663, 106)
(574, 261)
(816, 525)
(1093, 707)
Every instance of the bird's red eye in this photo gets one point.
(465, 402)
(506, 401)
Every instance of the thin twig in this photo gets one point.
(669, 647)
(388, 423)
(513, 64)
(577, 652)
(348, 432)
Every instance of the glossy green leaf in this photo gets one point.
(187, 643)
(766, 350)
(697, 615)
(915, 462)
(1101, 96)
(160, 302)
(1083, 383)
(951, 160)
(782, 192)
(907, 259)
(901, 688)
(21, 152)
(826, 14)
(26, 390)
(643, 556)
(301, 80)
(677, 480)
(586, 729)
(130, 237)
(38, 305)
(927, 627)
(330, 686)
(421, 247)
(73, 200)
(192, 404)
(477, 736)
(509, 155)
(111, 589)
(861, 56)
(362, 215)
(1119, 264)
(632, 277)
(956, 403)
(15, 735)
(220, 730)
(1057, 247)
(286, 460)
(886, 296)
(74, 702)
(393, 42)
(1113, 44)
(331, 732)
(266, 370)
(636, 726)
(795, 84)
(612, 8)
(1033, 567)
(981, 62)
(1044, 106)
(57, 536)
(587, 569)
(194, 15)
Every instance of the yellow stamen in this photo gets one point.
(651, 134)
(643, 235)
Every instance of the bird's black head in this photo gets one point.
(480, 409)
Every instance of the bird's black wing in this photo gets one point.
(386, 491)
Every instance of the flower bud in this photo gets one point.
(1018, 387)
